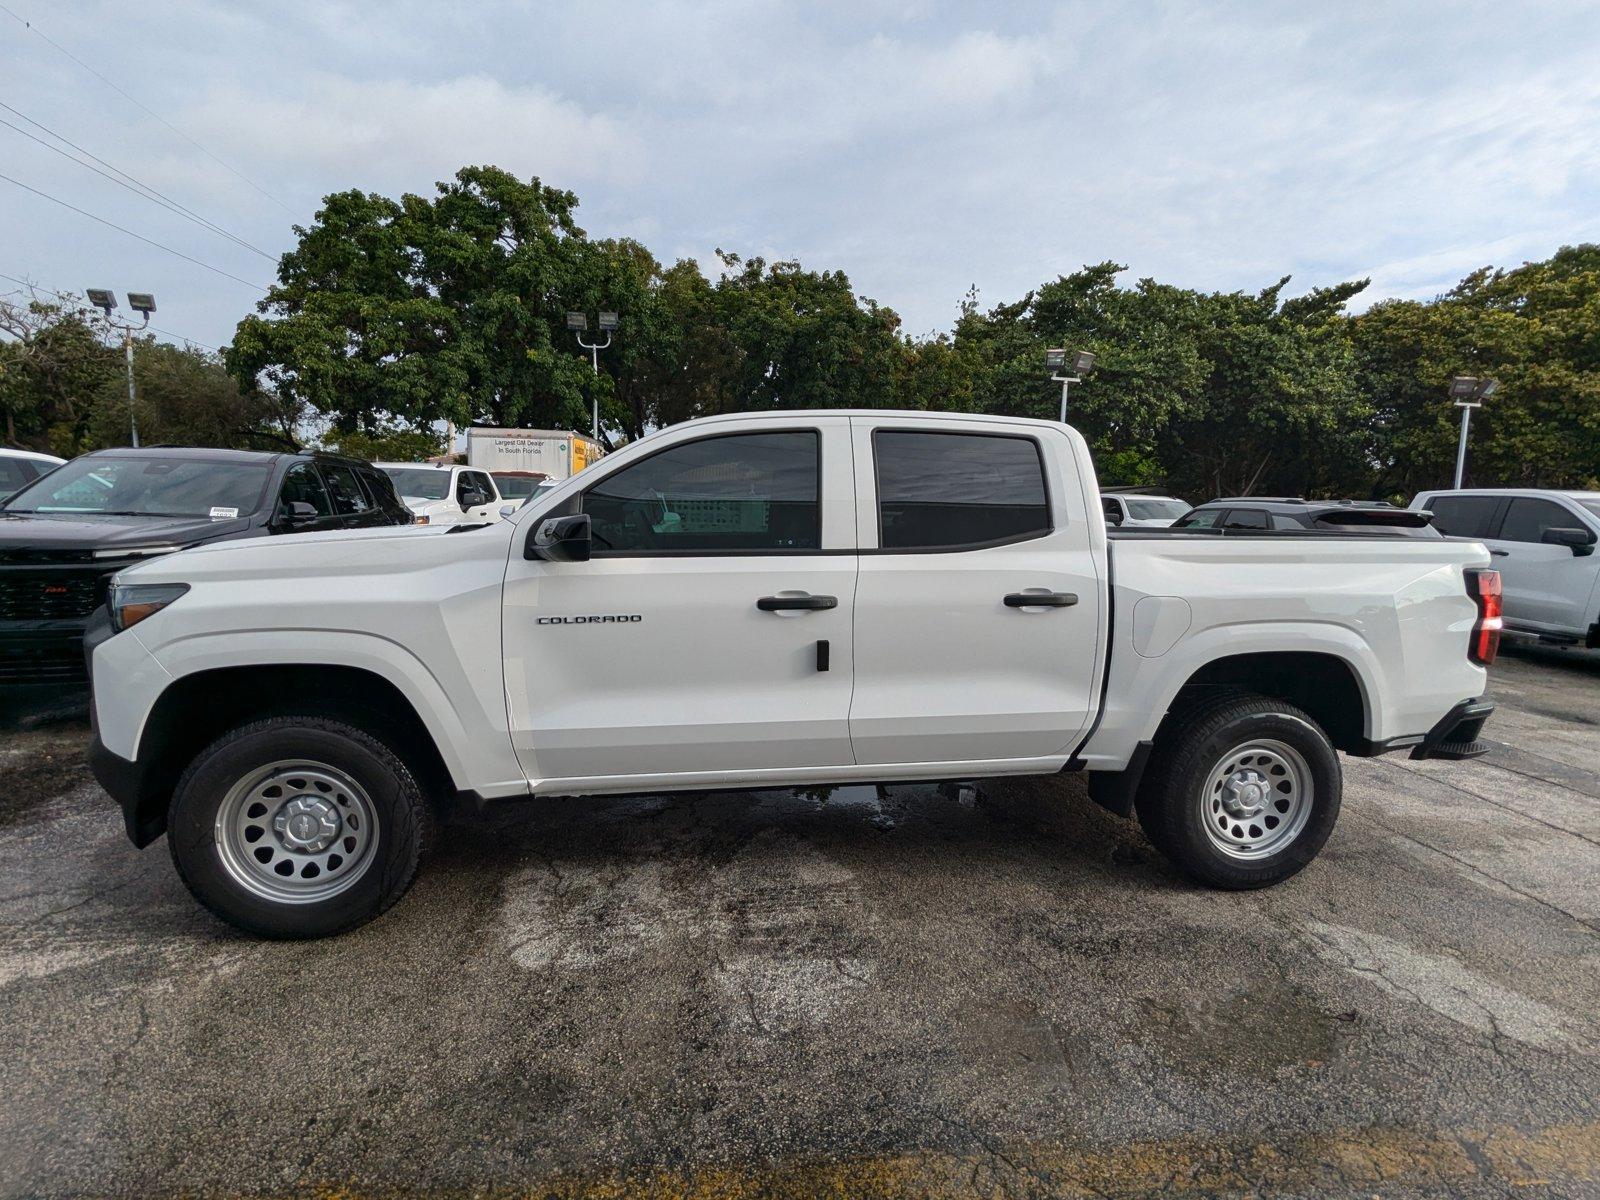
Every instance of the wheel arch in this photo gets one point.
(196, 709)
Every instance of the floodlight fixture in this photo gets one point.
(1054, 360)
(1468, 392)
(608, 322)
(142, 302)
(1082, 362)
(577, 322)
(1079, 362)
(102, 298)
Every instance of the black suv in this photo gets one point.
(63, 536)
(1324, 516)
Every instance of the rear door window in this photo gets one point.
(1246, 518)
(348, 498)
(1527, 519)
(1464, 516)
(1200, 518)
(956, 491)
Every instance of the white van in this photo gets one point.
(1543, 544)
(447, 494)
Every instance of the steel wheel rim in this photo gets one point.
(296, 832)
(1256, 799)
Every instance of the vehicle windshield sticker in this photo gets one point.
(224, 514)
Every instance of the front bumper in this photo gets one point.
(129, 785)
(1455, 736)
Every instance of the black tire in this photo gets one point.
(1180, 793)
(402, 817)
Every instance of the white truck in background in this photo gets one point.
(769, 600)
(549, 452)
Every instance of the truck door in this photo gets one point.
(1543, 584)
(978, 610)
(708, 639)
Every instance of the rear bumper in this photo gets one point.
(1456, 734)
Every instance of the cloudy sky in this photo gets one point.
(920, 147)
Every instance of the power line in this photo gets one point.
(133, 185)
(138, 236)
(34, 287)
(147, 109)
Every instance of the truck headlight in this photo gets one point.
(130, 603)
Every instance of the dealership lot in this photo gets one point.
(913, 992)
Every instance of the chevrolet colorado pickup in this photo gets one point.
(771, 600)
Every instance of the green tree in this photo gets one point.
(53, 366)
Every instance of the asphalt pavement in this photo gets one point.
(903, 993)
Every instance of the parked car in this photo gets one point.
(1543, 543)
(446, 494)
(63, 536)
(18, 468)
(772, 600)
(1293, 513)
(518, 487)
(1135, 511)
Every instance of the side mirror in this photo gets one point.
(1580, 541)
(560, 539)
(1113, 518)
(507, 509)
(298, 513)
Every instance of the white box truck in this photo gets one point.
(550, 452)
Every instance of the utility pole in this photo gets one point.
(141, 302)
(579, 322)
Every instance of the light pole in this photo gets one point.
(578, 323)
(140, 302)
(1082, 364)
(1469, 392)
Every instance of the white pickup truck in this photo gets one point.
(771, 600)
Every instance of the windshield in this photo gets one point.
(1592, 505)
(147, 486)
(420, 483)
(1144, 508)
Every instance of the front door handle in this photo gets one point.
(1041, 599)
(785, 603)
(1500, 553)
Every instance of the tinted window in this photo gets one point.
(1246, 518)
(948, 490)
(755, 491)
(1156, 510)
(420, 483)
(1200, 518)
(1526, 520)
(156, 486)
(473, 488)
(1285, 521)
(1463, 516)
(348, 498)
(379, 489)
(516, 487)
(1111, 509)
(302, 485)
(14, 472)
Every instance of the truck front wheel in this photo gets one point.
(1242, 791)
(298, 827)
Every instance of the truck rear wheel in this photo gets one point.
(298, 827)
(1242, 791)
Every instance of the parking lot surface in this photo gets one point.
(913, 992)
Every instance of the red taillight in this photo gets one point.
(1484, 587)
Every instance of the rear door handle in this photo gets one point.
(785, 603)
(1041, 599)
(1500, 553)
